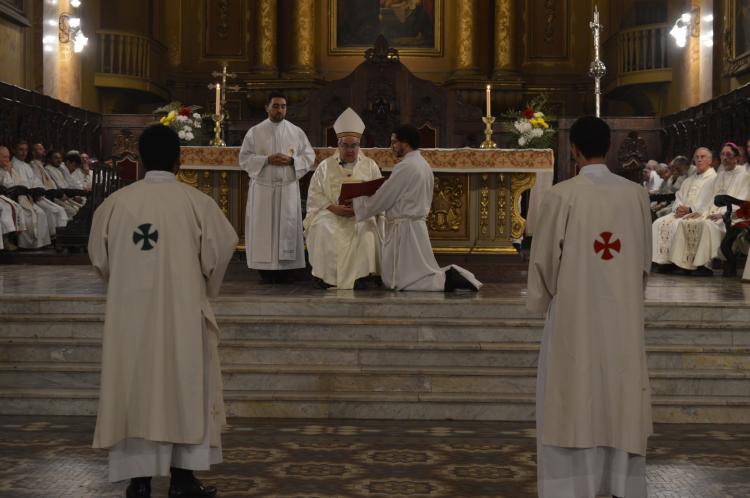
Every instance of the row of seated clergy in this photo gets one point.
(672, 176)
(342, 250)
(41, 205)
(690, 236)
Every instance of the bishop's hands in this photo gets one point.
(280, 160)
(681, 211)
(344, 210)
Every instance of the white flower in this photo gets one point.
(187, 129)
(196, 115)
(189, 136)
(197, 124)
(181, 134)
(182, 118)
(525, 126)
(538, 115)
(522, 141)
(537, 132)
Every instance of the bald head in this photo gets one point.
(4, 157)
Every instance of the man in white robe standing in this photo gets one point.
(669, 233)
(705, 230)
(590, 257)
(408, 262)
(275, 154)
(342, 251)
(163, 248)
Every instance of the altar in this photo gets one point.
(476, 205)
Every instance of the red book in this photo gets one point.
(351, 190)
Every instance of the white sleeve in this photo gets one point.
(251, 162)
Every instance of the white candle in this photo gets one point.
(218, 99)
(489, 107)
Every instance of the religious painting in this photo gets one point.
(414, 27)
(741, 28)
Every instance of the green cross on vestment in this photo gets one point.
(145, 234)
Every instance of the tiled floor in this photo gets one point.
(82, 280)
(51, 457)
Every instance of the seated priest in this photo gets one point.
(677, 172)
(407, 261)
(343, 252)
(71, 204)
(9, 222)
(39, 156)
(35, 233)
(736, 241)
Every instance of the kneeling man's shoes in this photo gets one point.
(140, 487)
(194, 489)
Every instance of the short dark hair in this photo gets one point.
(73, 156)
(408, 133)
(20, 142)
(159, 147)
(591, 136)
(275, 94)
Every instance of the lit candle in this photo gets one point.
(218, 99)
(489, 105)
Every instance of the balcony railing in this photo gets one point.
(638, 55)
(133, 61)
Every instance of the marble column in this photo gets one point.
(266, 36)
(506, 39)
(466, 53)
(302, 56)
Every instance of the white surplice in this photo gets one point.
(56, 215)
(408, 262)
(273, 223)
(589, 260)
(163, 248)
(695, 193)
(340, 249)
(696, 242)
(36, 233)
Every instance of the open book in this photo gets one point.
(350, 190)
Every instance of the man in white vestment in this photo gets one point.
(36, 233)
(84, 174)
(39, 156)
(275, 154)
(54, 168)
(408, 262)
(589, 260)
(342, 251)
(694, 196)
(704, 231)
(651, 179)
(163, 248)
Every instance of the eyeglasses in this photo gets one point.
(349, 146)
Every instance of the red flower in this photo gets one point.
(528, 113)
(186, 111)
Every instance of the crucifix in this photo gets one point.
(597, 70)
(220, 114)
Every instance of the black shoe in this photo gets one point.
(360, 284)
(267, 276)
(140, 487)
(455, 281)
(184, 485)
(730, 269)
(318, 283)
(702, 271)
(665, 268)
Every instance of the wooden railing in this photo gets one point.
(638, 55)
(130, 60)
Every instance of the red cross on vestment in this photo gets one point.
(606, 246)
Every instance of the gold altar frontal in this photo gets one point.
(476, 205)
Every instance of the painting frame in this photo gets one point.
(737, 57)
(436, 50)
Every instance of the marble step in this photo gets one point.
(377, 379)
(383, 353)
(666, 409)
(421, 305)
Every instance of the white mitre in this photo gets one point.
(349, 124)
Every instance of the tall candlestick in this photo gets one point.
(489, 100)
(597, 70)
(218, 99)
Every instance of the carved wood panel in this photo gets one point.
(547, 32)
(225, 28)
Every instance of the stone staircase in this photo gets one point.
(405, 356)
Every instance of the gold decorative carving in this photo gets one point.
(466, 54)
(448, 201)
(188, 177)
(224, 193)
(265, 43)
(484, 207)
(501, 206)
(207, 185)
(519, 183)
(550, 16)
(303, 27)
(504, 34)
(125, 141)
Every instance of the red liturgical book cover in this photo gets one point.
(351, 190)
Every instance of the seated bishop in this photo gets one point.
(343, 252)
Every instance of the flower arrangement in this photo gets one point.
(531, 125)
(184, 120)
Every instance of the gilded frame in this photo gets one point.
(736, 63)
(435, 51)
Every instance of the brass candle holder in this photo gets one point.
(488, 143)
(218, 141)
